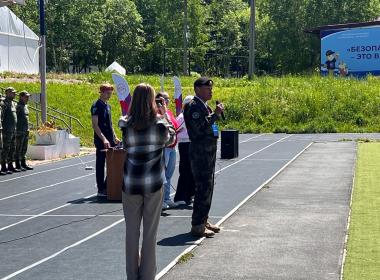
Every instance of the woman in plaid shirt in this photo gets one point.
(146, 132)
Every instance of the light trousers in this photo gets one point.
(147, 208)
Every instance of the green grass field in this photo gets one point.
(292, 104)
(363, 249)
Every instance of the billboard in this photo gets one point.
(347, 52)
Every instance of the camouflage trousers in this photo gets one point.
(1, 145)
(22, 138)
(9, 146)
(202, 158)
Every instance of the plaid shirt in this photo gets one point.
(144, 165)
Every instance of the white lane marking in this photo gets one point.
(251, 138)
(46, 187)
(91, 215)
(62, 251)
(196, 243)
(245, 141)
(254, 153)
(344, 253)
(45, 171)
(43, 213)
(244, 158)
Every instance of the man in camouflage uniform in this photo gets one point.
(1, 132)
(22, 131)
(9, 131)
(200, 122)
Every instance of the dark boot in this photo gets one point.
(19, 166)
(11, 168)
(3, 170)
(25, 166)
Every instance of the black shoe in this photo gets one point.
(12, 169)
(102, 194)
(25, 166)
(18, 166)
(3, 170)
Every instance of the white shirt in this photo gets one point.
(182, 135)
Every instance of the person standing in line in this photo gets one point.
(185, 186)
(2, 173)
(203, 132)
(9, 132)
(22, 131)
(170, 155)
(146, 132)
(104, 134)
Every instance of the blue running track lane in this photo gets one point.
(53, 227)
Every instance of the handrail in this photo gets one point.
(66, 115)
(70, 117)
(53, 117)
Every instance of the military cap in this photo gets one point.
(203, 81)
(10, 89)
(24, 93)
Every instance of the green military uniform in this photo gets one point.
(9, 129)
(22, 133)
(200, 119)
(9, 132)
(1, 132)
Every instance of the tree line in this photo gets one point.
(148, 35)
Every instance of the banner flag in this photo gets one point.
(177, 95)
(123, 93)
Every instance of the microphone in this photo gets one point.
(217, 102)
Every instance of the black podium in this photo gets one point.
(229, 144)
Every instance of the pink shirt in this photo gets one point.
(173, 120)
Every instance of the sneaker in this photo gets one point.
(171, 204)
(102, 193)
(165, 206)
(181, 202)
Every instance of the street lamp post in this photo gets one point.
(185, 35)
(43, 61)
(252, 22)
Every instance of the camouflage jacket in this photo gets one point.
(22, 117)
(9, 116)
(199, 119)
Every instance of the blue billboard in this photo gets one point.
(349, 52)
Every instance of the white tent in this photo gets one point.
(116, 67)
(18, 45)
(9, 2)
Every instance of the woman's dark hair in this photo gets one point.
(143, 110)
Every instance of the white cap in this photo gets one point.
(187, 99)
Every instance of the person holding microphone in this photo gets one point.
(201, 125)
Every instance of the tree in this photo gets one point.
(123, 39)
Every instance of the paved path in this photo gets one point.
(294, 228)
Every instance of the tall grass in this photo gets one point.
(292, 104)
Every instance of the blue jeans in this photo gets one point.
(170, 160)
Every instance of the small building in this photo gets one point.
(351, 49)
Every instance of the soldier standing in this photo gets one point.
(1, 133)
(200, 122)
(22, 131)
(9, 131)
